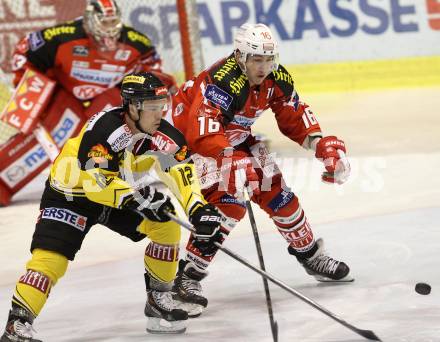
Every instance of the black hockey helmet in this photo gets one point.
(142, 86)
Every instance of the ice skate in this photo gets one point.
(164, 316)
(19, 327)
(188, 290)
(323, 267)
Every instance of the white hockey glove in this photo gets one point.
(152, 204)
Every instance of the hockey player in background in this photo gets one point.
(96, 179)
(215, 112)
(87, 57)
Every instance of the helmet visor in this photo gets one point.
(158, 105)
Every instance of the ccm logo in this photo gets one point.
(210, 218)
(334, 143)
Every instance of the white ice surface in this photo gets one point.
(385, 223)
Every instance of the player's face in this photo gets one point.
(107, 32)
(258, 68)
(150, 112)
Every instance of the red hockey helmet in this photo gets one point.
(102, 21)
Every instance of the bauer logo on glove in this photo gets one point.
(210, 218)
(206, 221)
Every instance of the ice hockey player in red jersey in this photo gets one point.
(87, 57)
(216, 111)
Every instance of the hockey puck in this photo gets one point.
(423, 288)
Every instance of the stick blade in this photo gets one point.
(368, 334)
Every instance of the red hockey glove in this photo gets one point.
(237, 174)
(331, 151)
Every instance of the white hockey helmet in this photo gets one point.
(102, 20)
(255, 39)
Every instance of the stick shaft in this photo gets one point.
(368, 334)
(273, 323)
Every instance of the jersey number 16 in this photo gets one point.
(309, 118)
(208, 125)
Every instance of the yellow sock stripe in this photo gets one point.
(363, 75)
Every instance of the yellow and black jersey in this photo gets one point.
(106, 162)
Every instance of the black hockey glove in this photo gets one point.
(206, 220)
(152, 204)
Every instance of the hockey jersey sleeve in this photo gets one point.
(175, 167)
(148, 59)
(182, 181)
(31, 54)
(202, 121)
(294, 118)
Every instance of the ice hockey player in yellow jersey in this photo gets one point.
(101, 176)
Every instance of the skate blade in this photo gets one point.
(193, 310)
(157, 325)
(5, 338)
(346, 279)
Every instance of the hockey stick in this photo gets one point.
(368, 334)
(273, 323)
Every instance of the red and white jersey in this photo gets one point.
(217, 109)
(66, 54)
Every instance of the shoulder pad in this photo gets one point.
(106, 120)
(230, 85)
(170, 140)
(99, 140)
(228, 76)
(172, 132)
(224, 68)
(64, 32)
(136, 39)
(120, 138)
(284, 80)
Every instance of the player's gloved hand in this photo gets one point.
(152, 204)
(238, 173)
(206, 220)
(331, 151)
